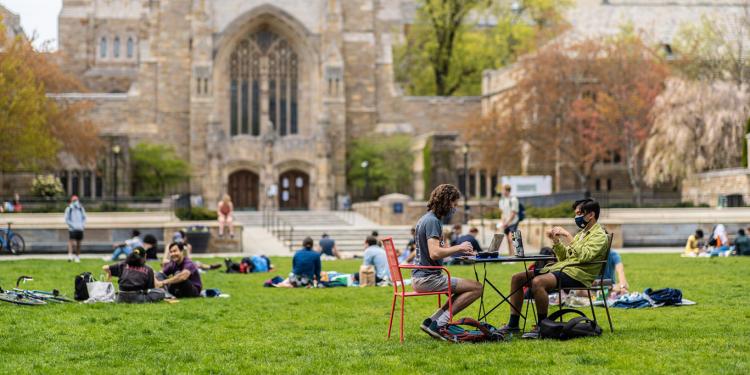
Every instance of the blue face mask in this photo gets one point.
(449, 216)
(581, 222)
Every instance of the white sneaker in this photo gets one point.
(78, 260)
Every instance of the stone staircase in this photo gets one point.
(282, 232)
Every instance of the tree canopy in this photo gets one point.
(447, 48)
(157, 168)
(389, 165)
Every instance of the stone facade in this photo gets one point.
(709, 187)
(259, 96)
(11, 22)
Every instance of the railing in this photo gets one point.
(278, 227)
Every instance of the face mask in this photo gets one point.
(449, 216)
(75, 204)
(581, 222)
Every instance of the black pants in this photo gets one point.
(185, 289)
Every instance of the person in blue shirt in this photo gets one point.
(328, 247)
(615, 271)
(375, 256)
(305, 267)
(471, 238)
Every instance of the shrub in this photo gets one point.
(47, 186)
(195, 213)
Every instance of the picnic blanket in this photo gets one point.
(651, 298)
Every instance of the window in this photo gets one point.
(87, 184)
(64, 181)
(246, 80)
(609, 184)
(103, 47)
(130, 48)
(116, 48)
(99, 186)
(598, 184)
(75, 182)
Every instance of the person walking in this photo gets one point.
(75, 218)
(225, 209)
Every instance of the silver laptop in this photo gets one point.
(497, 240)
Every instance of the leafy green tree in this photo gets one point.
(157, 168)
(447, 38)
(389, 165)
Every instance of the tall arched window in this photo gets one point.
(116, 47)
(103, 47)
(130, 48)
(247, 79)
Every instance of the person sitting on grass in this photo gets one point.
(327, 247)
(305, 267)
(127, 246)
(136, 280)
(741, 243)
(407, 256)
(181, 237)
(471, 238)
(149, 243)
(588, 245)
(431, 251)
(375, 256)
(180, 276)
(694, 244)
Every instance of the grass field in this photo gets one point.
(342, 330)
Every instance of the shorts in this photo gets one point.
(510, 228)
(75, 235)
(433, 283)
(567, 281)
(300, 280)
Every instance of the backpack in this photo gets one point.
(580, 326)
(81, 291)
(521, 211)
(260, 263)
(482, 332)
(666, 296)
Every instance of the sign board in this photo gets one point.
(527, 186)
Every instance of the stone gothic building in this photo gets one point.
(257, 95)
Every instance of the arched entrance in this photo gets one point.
(243, 188)
(294, 190)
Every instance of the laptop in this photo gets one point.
(518, 243)
(494, 250)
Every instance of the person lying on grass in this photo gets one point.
(180, 276)
(590, 244)
(431, 251)
(136, 280)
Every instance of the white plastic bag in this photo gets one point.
(100, 291)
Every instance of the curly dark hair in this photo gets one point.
(442, 198)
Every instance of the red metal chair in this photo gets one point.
(398, 282)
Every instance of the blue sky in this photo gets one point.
(38, 17)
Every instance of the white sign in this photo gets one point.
(527, 186)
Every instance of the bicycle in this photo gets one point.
(12, 241)
(18, 298)
(41, 295)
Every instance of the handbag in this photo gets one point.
(100, 291)
(366, 275)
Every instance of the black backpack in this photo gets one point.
(580, 326)
(81, 292)
(521, 212)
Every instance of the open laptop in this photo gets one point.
(494, 250)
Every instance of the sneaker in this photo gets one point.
(531, 335)
(431, 328)
(78, 260)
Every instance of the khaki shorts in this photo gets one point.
(433, 283)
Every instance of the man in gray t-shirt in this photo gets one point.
(431, 251)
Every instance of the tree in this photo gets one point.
(715, 50)
(389, 165)
(630, 77)
(698, 126)
(157, 168)
(446, 38)
(33, 127)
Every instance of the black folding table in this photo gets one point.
(483, 313)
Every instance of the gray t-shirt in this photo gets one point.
(429, 226)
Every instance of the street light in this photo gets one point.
(465, 150)
(364, 165)
(116, 153)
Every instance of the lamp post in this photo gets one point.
(116, 153)
(465, 150)
(364, 165)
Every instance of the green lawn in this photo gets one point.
(342, 330)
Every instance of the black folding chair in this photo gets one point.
(599, 283)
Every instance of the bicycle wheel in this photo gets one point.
(17, 244)
(20, 299)
(48, 296)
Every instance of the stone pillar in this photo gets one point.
(477, 184)
(747, 137)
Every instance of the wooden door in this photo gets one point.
(243, 188)
(294, 190)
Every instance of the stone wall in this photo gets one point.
(705, 188)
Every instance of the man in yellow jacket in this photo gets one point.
(588, 245)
